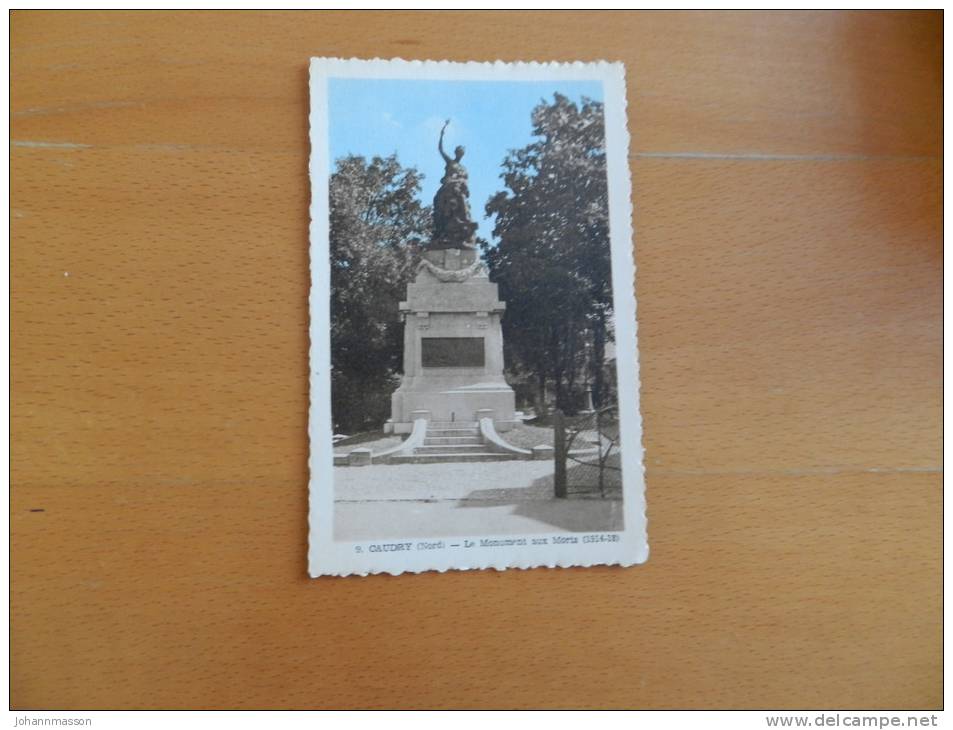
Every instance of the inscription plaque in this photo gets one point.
(452, 352)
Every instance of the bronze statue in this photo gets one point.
(452, 224)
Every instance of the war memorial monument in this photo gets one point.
(453, 340)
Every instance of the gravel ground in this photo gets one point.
(486, 498)
(474, 481)
(526, 436)
(403, 520)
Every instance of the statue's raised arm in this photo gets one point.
(444, 155)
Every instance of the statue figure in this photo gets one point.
(452, 224)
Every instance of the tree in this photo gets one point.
(377, 228)
(552, 262)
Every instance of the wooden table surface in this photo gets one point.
(786, 171)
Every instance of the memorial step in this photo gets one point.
(451, 440)
(447, 458)
(452, 424)
(438, 432)
(446, 449)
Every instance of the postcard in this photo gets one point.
(474, 366)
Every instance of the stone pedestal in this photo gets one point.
(453, 346)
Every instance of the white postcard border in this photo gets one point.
(340, 558)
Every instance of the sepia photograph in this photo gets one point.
(473, 339)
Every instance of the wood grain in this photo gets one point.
(786, 176)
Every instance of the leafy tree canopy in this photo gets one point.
(377, 228)
(553, 258)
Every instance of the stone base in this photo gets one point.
(469, 403)
(401, 427)
(453, 346)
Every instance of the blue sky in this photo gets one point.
(382, 116)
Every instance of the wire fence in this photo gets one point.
(587, 456)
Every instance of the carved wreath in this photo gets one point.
(474, 269)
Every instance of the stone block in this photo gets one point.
(453, 347)
(542, 452)
(359, 457)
